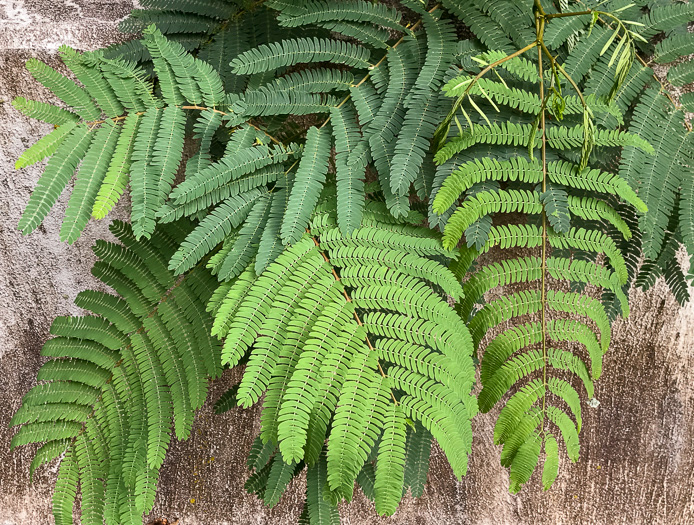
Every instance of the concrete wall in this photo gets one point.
(637, 456)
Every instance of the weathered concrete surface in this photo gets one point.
(637, 458)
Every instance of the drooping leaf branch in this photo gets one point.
(569, 222)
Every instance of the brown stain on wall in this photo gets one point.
(637, 455)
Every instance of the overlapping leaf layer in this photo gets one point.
(288, 164)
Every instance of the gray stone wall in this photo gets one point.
(637, 457)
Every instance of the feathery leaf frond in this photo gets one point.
(119, 379)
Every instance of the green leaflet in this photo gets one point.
(186, 71)
(558, 137)
(227, 45)
(320, 512)
(512, 18)
(417, 458)
(474, 172)
(578, 62)
(301, 50)
(260, 454)
(366, 101)
(205, 128)
(295, 408)
(441, 40)
(85, 67)
(279, 477)
(413, 142)
(377, 37)
(270, 244)
(267, 102)
(65, 489)
(248, 238)
(602, 182)
(485, 203)
(665, 18)
(89, 178)
(45, 146)
(321, 80)
(351, 11)
(563, 29)
(657, 191)
(241, 334)
(227, 401)
(350, 172)
(308, 182)
(145, 185)
(170, 20)
(487, 30)
(524, 462)
(686, 211)
(43, 111)
(556, 206)
(520, 67)
(384, 127)
(116, 178)
(232, 166)
(129, 84)
(674, 47)
(361, 407)
(390, 466)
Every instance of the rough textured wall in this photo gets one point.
(637, 458)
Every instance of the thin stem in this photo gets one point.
(540, 12)
(564, 15)
(554, 63)
(499, 62)
(203, 108)
(446, 122)
(94, 123)
(539, 24)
